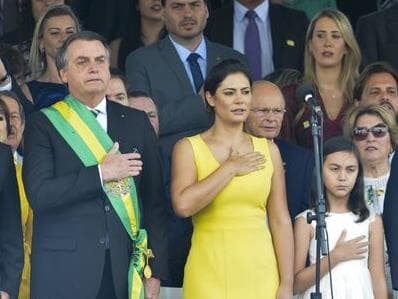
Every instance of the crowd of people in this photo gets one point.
(165, 152)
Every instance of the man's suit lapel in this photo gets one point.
(275, 18)
(116, 124)
(170, 55)
(392, 22)
(213, 57)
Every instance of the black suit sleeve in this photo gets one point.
(45, 187)
(11, 246)
(175, 114)
(390, 220)
(155, 217)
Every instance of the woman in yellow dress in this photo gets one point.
(233, 185)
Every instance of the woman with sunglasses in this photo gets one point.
(375, 133)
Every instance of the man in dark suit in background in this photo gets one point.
(377, 85)
(281, 33)
(172, 71)
(82, 245)
(265, 120)
(11, 246)
(390, 221)
(377, 36)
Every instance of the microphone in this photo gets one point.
(306, 93)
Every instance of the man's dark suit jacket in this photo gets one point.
(377, 35)
(11, 246)
(298, 163)
(288, 29)
(72, 213)
(390, 219)
(158, 70)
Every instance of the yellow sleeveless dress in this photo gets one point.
(232, 255)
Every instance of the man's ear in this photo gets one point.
(63, 75)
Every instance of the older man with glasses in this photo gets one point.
(265, 120)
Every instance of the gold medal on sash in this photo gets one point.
(118, 188)
(147, 270)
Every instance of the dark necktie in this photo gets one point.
(195, 70)
(95, 112)
(252, 45)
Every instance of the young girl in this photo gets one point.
(355, 235)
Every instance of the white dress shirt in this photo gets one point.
(102, 119)
(102, 115)
(183, 53)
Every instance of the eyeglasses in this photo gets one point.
(377, 131)
(267, 111)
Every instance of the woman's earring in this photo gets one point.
(42, 57)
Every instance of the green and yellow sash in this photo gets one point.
(77, 125)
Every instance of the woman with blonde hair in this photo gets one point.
(331, 62)
(374, 131)
(54, 26)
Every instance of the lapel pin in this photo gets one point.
(290, 43)
(122, 116)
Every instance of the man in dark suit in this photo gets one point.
(377, 36)
(282, 32)
(11, 247)
(82, 242)
(390, 221)
(265, 120)
(168, 74)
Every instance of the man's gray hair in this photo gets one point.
(61, 60)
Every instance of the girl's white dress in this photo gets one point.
(350, 279)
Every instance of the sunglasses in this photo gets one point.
(377, 131)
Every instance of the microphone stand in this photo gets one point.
(320, 205)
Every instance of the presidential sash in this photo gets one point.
(78, 126)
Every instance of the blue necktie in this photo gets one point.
(195, 70)
(252, 45)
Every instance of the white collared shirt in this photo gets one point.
(102, 115)
(264, 29)
(183, 53)
(102, 119)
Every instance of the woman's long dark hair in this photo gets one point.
(356, 202)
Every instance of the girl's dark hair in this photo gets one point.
(4, 110)
(356, 202)
(220, 71)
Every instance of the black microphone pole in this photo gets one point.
(306, 92)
